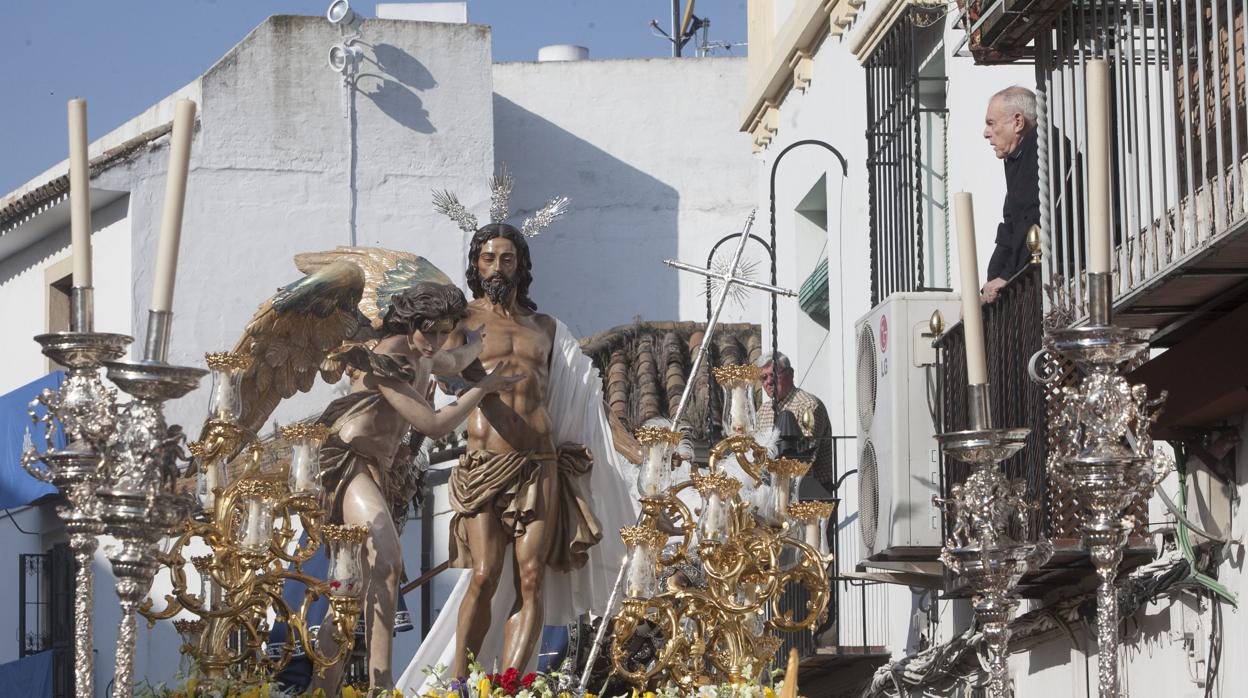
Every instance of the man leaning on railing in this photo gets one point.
(1010, 127)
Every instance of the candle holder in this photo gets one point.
(737, 381)
(813, 518)
(305, 458)
(785, 472)
(83, 406)
(655, 475)
(1105, 453)
(714, 612)
(255, 551)
(980, 548)
(135, 496)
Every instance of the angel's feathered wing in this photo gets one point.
(300, 332)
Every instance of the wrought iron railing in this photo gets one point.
(1013, 332)
(906, 164)
(857, 620)
(45, 615)
(1179, 141)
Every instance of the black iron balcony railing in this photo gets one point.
(1013, 333)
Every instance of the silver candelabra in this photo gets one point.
(980, 547)
(117, 469)
(1105, 454)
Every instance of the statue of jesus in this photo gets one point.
(514, 486)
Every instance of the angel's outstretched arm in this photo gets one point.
(437, 423)
(454, 360)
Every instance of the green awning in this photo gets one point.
(813, 296)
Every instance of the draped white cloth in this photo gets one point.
(575, 402)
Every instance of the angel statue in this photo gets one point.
(386, 316)
(540, 493)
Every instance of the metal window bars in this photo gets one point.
(1179, 133)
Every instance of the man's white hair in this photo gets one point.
(1019, 100)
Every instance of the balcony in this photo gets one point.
(1179, 152)
(1013, 332)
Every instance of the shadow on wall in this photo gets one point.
(601, 265)
(394, 90)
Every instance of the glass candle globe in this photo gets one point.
(305, 457)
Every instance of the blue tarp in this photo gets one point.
(17, 487)
(29, 676)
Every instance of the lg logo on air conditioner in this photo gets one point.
(883, 345)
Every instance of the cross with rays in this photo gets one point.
(725, 277)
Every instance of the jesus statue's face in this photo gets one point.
(497, 266)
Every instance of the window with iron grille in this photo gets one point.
(46, 612)
(906, 159)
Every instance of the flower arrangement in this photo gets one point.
(563, 684)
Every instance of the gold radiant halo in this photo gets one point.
(811, 512)
(305, 430)
(647, 536)
(737, 375)
(219, 360)
(649, 436)
(788, 466)
(343, 533)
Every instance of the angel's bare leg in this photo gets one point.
(524, 627)
(488, 542)
(364, 504)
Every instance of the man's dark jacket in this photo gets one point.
(1020, 212)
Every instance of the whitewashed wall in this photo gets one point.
(649, 155)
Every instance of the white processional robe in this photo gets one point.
(575, 402)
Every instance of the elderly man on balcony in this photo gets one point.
(1010, 127)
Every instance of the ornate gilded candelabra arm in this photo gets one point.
(811, 573)
(659, 612)
(750, 455)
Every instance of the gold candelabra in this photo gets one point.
(255, 548)
(705, 592)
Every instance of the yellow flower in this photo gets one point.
(483, 688)
(350, 692)
(587, 695)
(768, 693)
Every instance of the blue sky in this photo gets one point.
(125, 56)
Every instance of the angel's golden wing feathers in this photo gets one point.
(291, 334)
(386, 272)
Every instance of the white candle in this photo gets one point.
(210, 484)
(251, 539)
(79, 193)
(640, 574)
(972, 317)
(1098, 167)
(783, 489)
(812, 534)
(652, 478)
(739, 415)
(175, 198)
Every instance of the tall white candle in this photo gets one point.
(739, 413)
(1098, 166)
(972, 317)
(175, 198)
(79, 193)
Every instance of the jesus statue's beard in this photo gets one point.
(498, 288)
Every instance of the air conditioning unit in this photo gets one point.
(898, 468)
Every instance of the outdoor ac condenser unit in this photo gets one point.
(897, 451)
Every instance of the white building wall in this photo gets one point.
(23, 285)
(649, 155)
